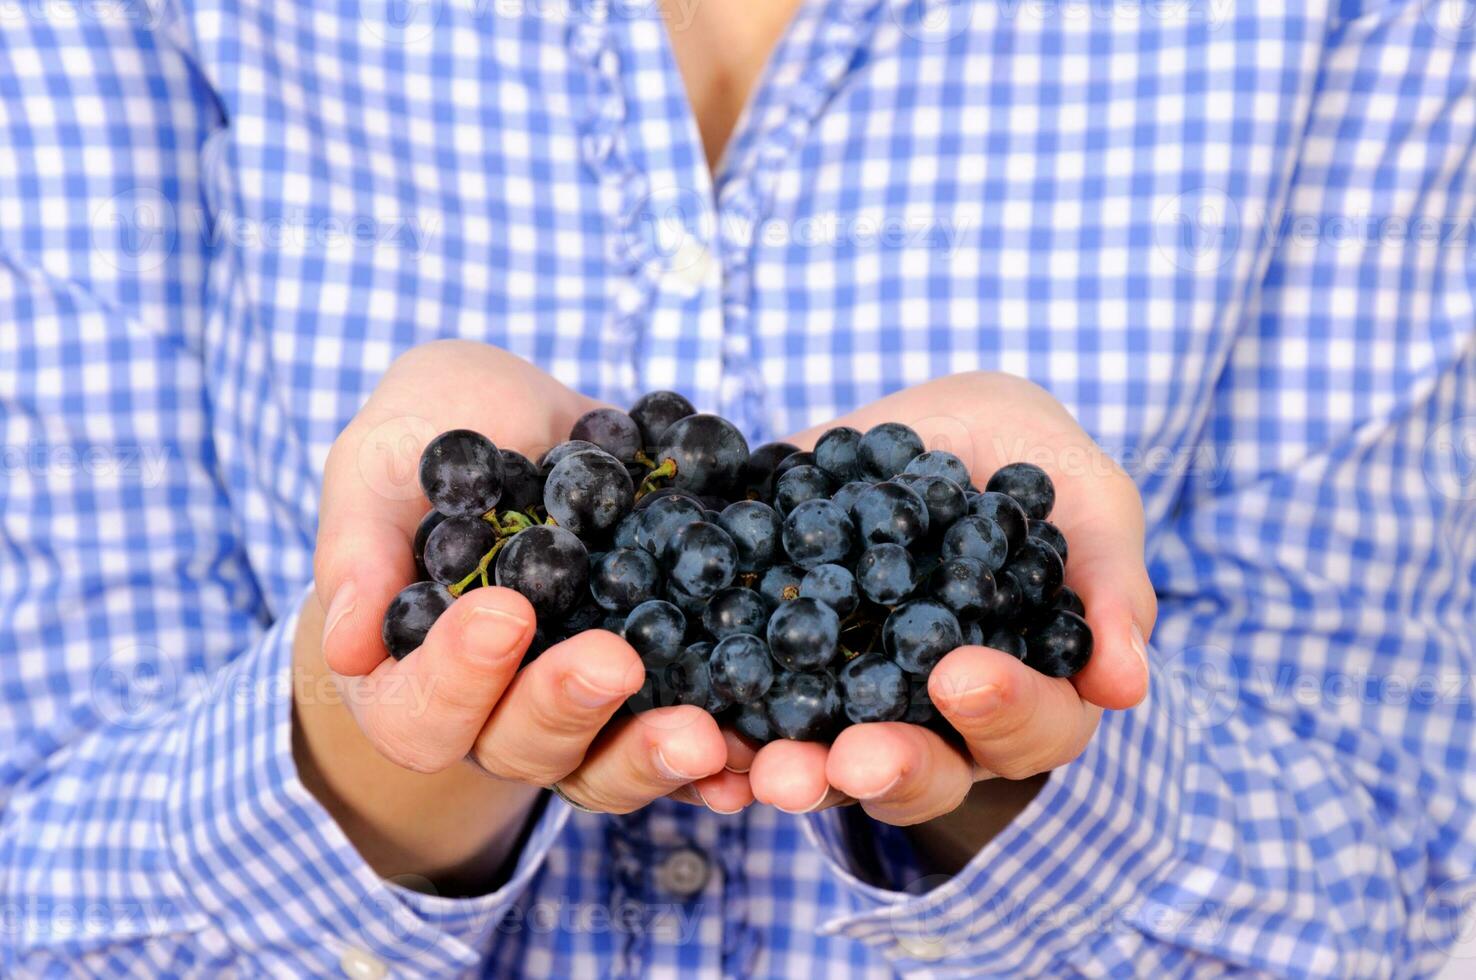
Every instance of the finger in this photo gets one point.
(640, 758)
(424, 712)
(740, 752)
(791, 776)
(1016, 722)
(542, 727)
(900, 774)
(723, 792)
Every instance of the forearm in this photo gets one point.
(458, 827)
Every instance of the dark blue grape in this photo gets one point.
(428, 523)
(920, 708)
(755, 528)
(410, 616)
(890, 513)
(624, 578)
(873, 689)
(803, 634)
(833, 585)
(625, 531)
(701, 559)
(736, 610)
(588, 493)
(612, 430)
(456, 546)
(757, 479)
(817, 532)
(964, 585)
(798, 485)
(1030, 487)
(801, 458)
(804, 706)
(655, 411)
(741, 668)
(685, 679)
(886, 574)
(944, 499)
(586, 616)
(562, 451)
(838, 453)
(976, 537)
(780, 584)
(1051, 535)
(752, 722)
(973, 633)
(1060, 645)
(1039, 572)
(1005, 512)
(461, 473)
(662, 493)
(655, 630)
(708, 452)
(1008, 605)
(662, 520)
(522, 483)
(1006, 640)
(939, 462)
(1068, 600)
(886, 449)
(690, 605)
(845, 497)
(549, 566)
(918, 634)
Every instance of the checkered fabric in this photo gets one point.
(1233, 238)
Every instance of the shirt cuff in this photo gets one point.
(265, 860)
(1073, 870)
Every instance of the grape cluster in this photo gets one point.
(789, 593)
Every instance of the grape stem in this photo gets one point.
(480, 572)
(657, 477)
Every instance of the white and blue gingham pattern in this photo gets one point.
(1233, 238)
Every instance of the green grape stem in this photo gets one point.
(657, 477)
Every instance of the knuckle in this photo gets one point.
(517, 768)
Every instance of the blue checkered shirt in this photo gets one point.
(1233, 238)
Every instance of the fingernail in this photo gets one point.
(493, 632)
(586, 695)
(342, 604)
(669, 771)
(1140, 647)
(976, 702)
(884, 791)
(725, 813)
(809, 809)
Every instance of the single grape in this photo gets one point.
(1029, 485)
(845, 498)
(549, 566)
(757, 479)
(1068, 600)
(973, 633)
(833, 585)
(798, 485)
(655, 411)
(456, 546)
(1051, 535)
(1060, 645)
(886, 574)
(1008, 604)
(1039, 572)
(1005, 512)
(622, 579)
(873, 688)
(662, 520)
(939, 462)
(964, 585)
(804, 706)
(625, 531)
(428, 523)
(588, 493)
(701, 559)
(754, 527)
(751, 721)
(661, 493)
(780, 584)
(976, 537)
(690, 605)
(801, 458)
(734, 611)
(741, 668)
(522, 483)
(708, 452)
(461, 473)
(410, 616)
(563, 450)
(717, 703)
(655, 630)
(803, 634)
(586, 616)
(1007, 641)
(612, 430)
(944, 499)
(890, 513)
(920, 708)
(920, 633)
(817, 532)
(685, 679)
(886, 449)
(838, 453)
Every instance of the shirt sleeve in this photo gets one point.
(151, 818)
(1296, 797)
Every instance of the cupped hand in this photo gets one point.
(1014, 722)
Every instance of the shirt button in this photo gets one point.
(691, 265)
(682, 873)
(361, 966)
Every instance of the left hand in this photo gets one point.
(1015, 722)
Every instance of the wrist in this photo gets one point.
(459, 828)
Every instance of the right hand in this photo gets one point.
(460, 696)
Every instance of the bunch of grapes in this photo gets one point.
(789, 593)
